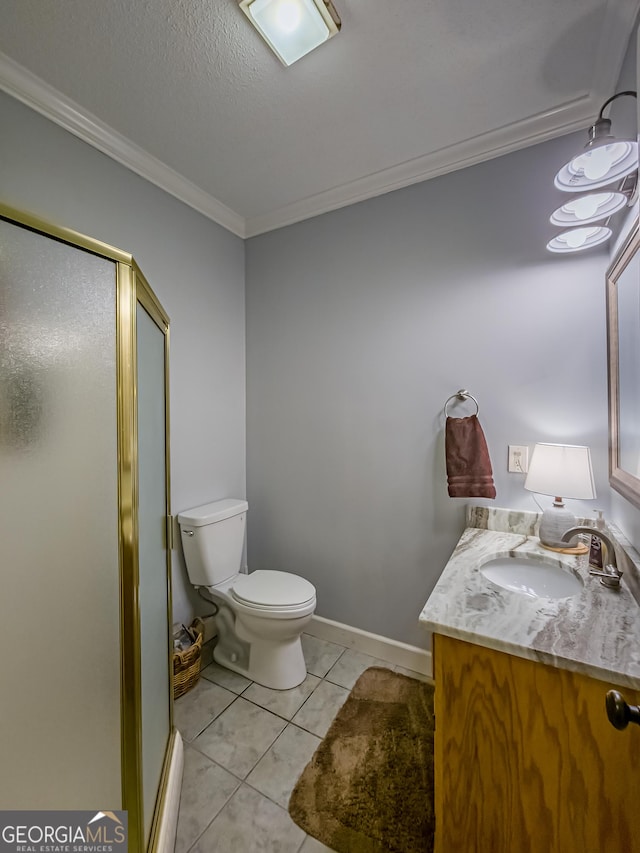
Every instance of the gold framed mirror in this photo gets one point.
(623, 353)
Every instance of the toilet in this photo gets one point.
(260, 615)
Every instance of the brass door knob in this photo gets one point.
(620, 714)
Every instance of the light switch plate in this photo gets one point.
(518, 458)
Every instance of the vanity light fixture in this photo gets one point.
(588, 208)
(559, 470)
(578, 239)
(292, 28)
(604, 160)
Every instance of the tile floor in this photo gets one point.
(245, 747)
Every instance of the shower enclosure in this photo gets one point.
(85, 530)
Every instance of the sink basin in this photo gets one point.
(532, 578)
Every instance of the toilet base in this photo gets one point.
(279, 666)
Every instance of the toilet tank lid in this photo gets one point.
(210, 513)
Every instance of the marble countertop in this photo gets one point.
(596, 632)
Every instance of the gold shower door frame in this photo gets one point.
(131, 289)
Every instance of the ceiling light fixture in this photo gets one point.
(292, 28)
(588, 208)
(604, 160)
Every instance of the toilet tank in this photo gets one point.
(212, 540)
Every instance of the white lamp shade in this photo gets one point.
(561, 470)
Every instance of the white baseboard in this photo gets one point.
(165, 836)
(392, 651)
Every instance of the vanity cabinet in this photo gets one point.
(526, 760)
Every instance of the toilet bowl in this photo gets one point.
(260, 615)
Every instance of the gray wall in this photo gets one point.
(360, 323)
(196, 269)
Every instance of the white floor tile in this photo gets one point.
(238, 739)
(251, 823)
(196, 709)
(350, 666)
(226, 677)
(206, 787)
(319, 655)
(281, 766)
(320, 709)
(285, 703)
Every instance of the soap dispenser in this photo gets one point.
(595, 550)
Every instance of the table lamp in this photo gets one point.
(560, 470)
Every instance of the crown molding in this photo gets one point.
(571, 116)
(567, 118)
(574, 115)
(20, 83)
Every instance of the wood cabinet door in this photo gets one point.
(526, 760)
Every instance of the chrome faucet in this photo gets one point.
(610, 574)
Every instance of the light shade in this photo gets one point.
(579, 239)
(588, 208)
(561, 470)
(604, 160)
(292, 28)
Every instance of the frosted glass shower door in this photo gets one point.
(153, 569)
(60, 734)
(85, 591)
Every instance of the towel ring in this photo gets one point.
(462, 394)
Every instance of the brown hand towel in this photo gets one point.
(469, 471)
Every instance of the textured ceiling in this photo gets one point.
(406, 90)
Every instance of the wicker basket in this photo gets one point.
(186, 668)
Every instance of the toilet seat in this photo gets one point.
(273, 591)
